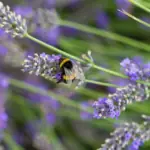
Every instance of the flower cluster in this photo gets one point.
(11, 22)
(134, 70)
(128, 135)
(48, 66)
(43, 65)
(112, 106)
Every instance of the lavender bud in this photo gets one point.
(11, 22)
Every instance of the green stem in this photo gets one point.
(78, 59)
(52, 47)
(134, 2)
(106, 34)
(34, 89)
(73, 57)
(101, 83)
(135, 18)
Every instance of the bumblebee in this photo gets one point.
(72, 71)
(67, 71)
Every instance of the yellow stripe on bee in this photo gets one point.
(69, 77)
(64, 61)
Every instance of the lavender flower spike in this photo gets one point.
(134, 70)
(11, 22)
(112, 106)
(127, 133)
(42, 65)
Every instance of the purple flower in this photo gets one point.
(112, 106)
(104, 108)
(135, 70)
(119, 82)
(127, 135)
(44, 65)
(102, 20)
(135, 144)
(84, 114)
(11, 22)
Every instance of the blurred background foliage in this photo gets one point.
(38, 122)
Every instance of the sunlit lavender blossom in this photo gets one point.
(42, 65)
(127, 135)
(11, 22)
(134, 70)
(112, 106)
(121, 137)
(117, 81)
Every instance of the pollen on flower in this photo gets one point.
(11, 22)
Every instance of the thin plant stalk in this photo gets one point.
(101, 83)
(73, 57)
(76, 58)
(136, 3)
(106, 34)
(135, 18)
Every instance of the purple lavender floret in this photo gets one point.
(135, 70)
(127, 135)
(135, 144)
(114, 104)
(42, 65)
(131, 69)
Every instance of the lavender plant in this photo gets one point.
(11, 22)
(112, 106)
(128, 135)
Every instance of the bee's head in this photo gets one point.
(68, 65)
